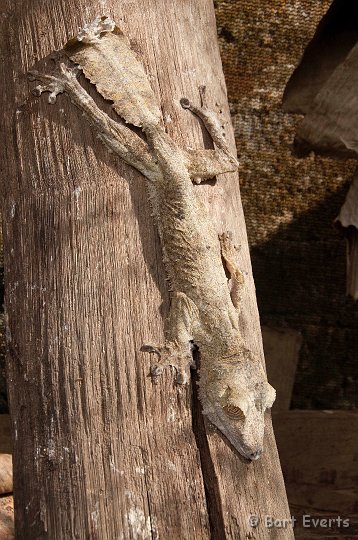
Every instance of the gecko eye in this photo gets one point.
(235, 403)
(234, 412)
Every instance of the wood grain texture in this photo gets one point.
(282, 349)
(99, 452)
(318, 451)
(348, 220)
(5, 434)
(318, 526)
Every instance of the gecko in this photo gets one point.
(204, 311)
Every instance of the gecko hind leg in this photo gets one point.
(229, 254)
(178, 348)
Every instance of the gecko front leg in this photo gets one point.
(117, 137)
(177, 350)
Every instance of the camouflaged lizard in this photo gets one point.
(204, 313)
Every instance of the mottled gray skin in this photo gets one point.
(192, 253)
(233, 387)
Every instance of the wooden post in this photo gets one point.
(99, 452)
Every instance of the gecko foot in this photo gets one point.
(171, 356)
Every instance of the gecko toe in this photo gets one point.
(181, 376)
(151, 349)
(170, 355)
(156, 371)
(185, 103)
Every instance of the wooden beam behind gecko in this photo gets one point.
(204, 313)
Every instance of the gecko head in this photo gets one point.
(235, 399)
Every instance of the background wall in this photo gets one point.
(290, 203)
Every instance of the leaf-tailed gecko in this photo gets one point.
(204, 313)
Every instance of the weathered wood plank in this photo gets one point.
(108, 454)
(5, 434)
(282, 347)
(348, 220)
(313, 525)
(319, 456)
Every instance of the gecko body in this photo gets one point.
(233, 387)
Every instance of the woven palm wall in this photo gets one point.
(297, 255)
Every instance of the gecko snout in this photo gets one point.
(255, 455)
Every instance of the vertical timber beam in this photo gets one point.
(99, 452)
